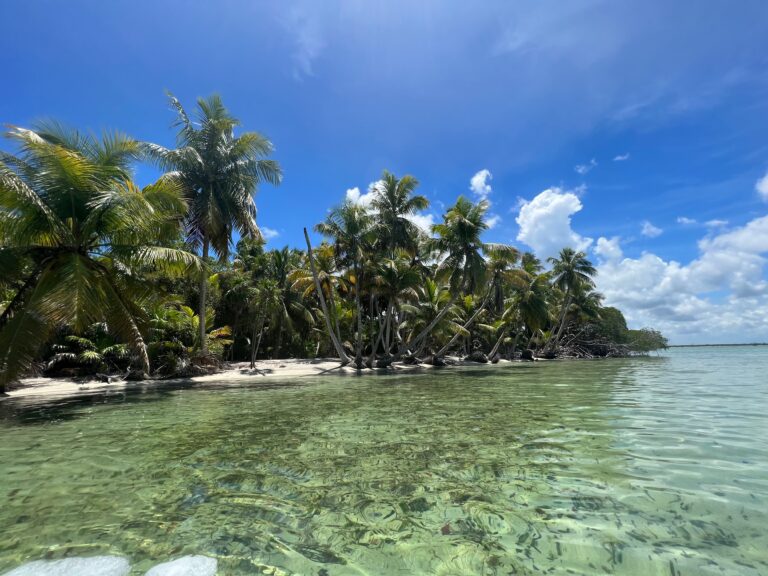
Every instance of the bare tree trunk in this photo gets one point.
(336, 343)
(203, 289)
(255, 343)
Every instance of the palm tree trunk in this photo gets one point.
(336, 343)
(255, 343)
(496, 346)
(426, 331)
(359, 336)
(555, 338)
(203, 290)
(466, 326)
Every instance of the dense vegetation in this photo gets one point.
(98, 275)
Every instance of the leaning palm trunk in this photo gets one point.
(336, 343)
(256, 342)
(496, 346)
(466, 326)
(555, 338)
(431, 326)
(203, 290)
(359, 336)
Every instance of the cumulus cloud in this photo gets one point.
(355, 196)
(480, 183)
(269, 233)
(545, 222)
(423, 221)
(608, 250)
(685, 301)
(584, 168)
(650, 230)
(493, 221)
(762, 187)
(685, 221)
(621, 157)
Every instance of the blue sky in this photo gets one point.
(633, 130)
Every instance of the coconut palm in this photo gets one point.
(351, 228)
(570, 271)
(219, 173)
(461, 248)
(69, 207)
(394, 201)
(395, 282)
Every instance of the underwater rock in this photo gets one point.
(94, 566)
(186, 566)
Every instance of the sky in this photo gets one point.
(636, 131)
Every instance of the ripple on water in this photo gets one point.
(629, 467)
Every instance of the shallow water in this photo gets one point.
(640, 467)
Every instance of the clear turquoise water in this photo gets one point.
(640, 467)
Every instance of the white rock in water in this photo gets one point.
(186, 566)
(95, 566)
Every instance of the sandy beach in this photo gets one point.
(271, 372)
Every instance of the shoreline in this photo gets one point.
(267, 372)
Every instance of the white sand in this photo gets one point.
(273, 372)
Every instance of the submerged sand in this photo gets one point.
(271, 372)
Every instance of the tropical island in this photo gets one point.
(99, 277)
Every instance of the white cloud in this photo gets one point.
(621, 157)
(355, 196)
(545, 222)
(650, 230)
(686, 301)
(584, 168)
(716, 223)
(608, 249)
(423, 221)
(480, 183)
(762, 187)
(304, 29)
(686, 221)
(493, 221)
(269, 233)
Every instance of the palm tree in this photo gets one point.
(289, 307)
(351, 228)
(219, 173)
(394, 201)
(396, 282)
(322, 279)
(570, 271)
(434, 298)
(68, 205)
(460, 245)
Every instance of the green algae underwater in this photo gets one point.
(637, 466)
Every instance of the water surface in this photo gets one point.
(641, 466)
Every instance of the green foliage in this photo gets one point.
(646, 340)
